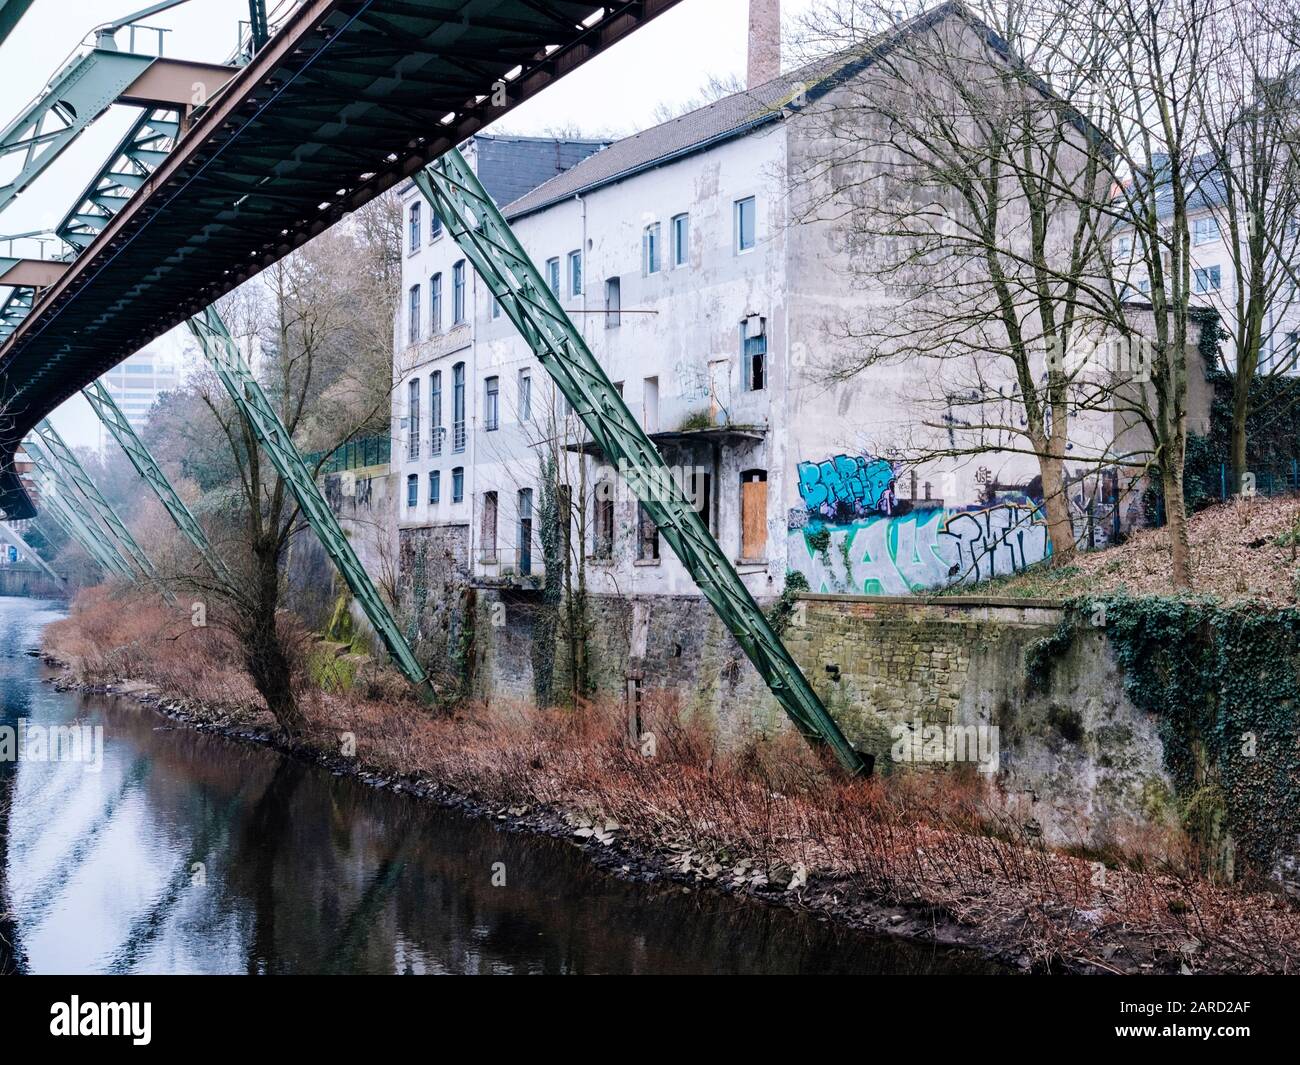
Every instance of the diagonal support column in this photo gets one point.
(473, 219)
(61, 501)
(66, 462)
(223, 355)
(142, 459)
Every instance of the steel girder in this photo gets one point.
(224, 356)
(473, 219)
(11, 13)
(61, 498)
(78, 94)
(66, 463)
(142, 459)
(15, 538)
(136, 157)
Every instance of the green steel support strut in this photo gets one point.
(115, 421)
(62, 501)
(485, 237)
(224, 356)
(65, 461)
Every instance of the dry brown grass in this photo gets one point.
(765, 812)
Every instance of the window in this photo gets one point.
(491, 404)
(746, 223)
(1205, 230)
(412, 489)
(435, 413)
(650, 249)
(435, 225)
(525, 531)
(525, 396)
(1207, 279)
(435, 304)
(435, 486)
(754, 354)
(414, 227)
(613, 303)
(413, 419)
(458, 484)
(651, 396)
(458, 407)
(647, 535)
(413, 314)
(700, 492)
(553, 275)
(496, 308)
(753, 515)
(681, 239)
(1123, 247)
(575, 273)
(489, 545)
(603, 547)
(458, 292)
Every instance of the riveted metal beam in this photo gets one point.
(224, 357)
(487, 240)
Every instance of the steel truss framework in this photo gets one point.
(147, 466)
(15, 538)
(224, 356)
(482, 232)
(66, 463)
(62, 500)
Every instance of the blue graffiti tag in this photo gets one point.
(847, 486)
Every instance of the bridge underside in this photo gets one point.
(348, 99)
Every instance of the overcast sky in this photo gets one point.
(666, 62)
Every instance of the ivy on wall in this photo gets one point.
(1223, 683)
(546, 624)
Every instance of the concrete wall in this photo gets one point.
(30, 581)
(1076, 761)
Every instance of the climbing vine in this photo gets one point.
(551, 531)
(782, 610)
(1222, 682)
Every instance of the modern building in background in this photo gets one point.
(136, 384)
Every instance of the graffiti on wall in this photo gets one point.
(897, 554)
(845, 487)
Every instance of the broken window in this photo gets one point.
(754, 354)
(647, 535)
(489, 545)
(604, 530)
(525, 531)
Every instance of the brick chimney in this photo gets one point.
(764, 41)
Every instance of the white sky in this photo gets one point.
(666, 62)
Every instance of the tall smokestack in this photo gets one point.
(764, 41)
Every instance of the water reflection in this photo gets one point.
(189, 853)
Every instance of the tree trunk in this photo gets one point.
(265, 656)
(1059, 527)
(1180, 554)
(1237, 438)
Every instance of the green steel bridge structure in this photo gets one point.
(226, 169)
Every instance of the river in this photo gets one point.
(183, 852)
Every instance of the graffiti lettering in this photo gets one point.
(847, 486)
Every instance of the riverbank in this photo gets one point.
(917, 855)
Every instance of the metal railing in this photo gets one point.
(367, 451)
(1278, 481)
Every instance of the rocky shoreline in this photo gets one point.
(831, 899)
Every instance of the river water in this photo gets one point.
(182, 852)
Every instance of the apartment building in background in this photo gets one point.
(136, 383)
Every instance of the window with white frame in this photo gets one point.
(435, 486)
(413, 314)
(650, 249)
(681, 230)
(1205, 230)
(553, 275)
(575, 273)
(435, 304)
(412, 489)
(746, 224)
(435, 413)
(413, 418)
(1207, 279)
(458, 292)
(525, 395)
(458, 407)
(491, 404)
(458, 484)
(413, 235)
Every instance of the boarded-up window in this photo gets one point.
(647, 535)
(753, 514)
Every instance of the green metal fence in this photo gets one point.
(367, 451)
